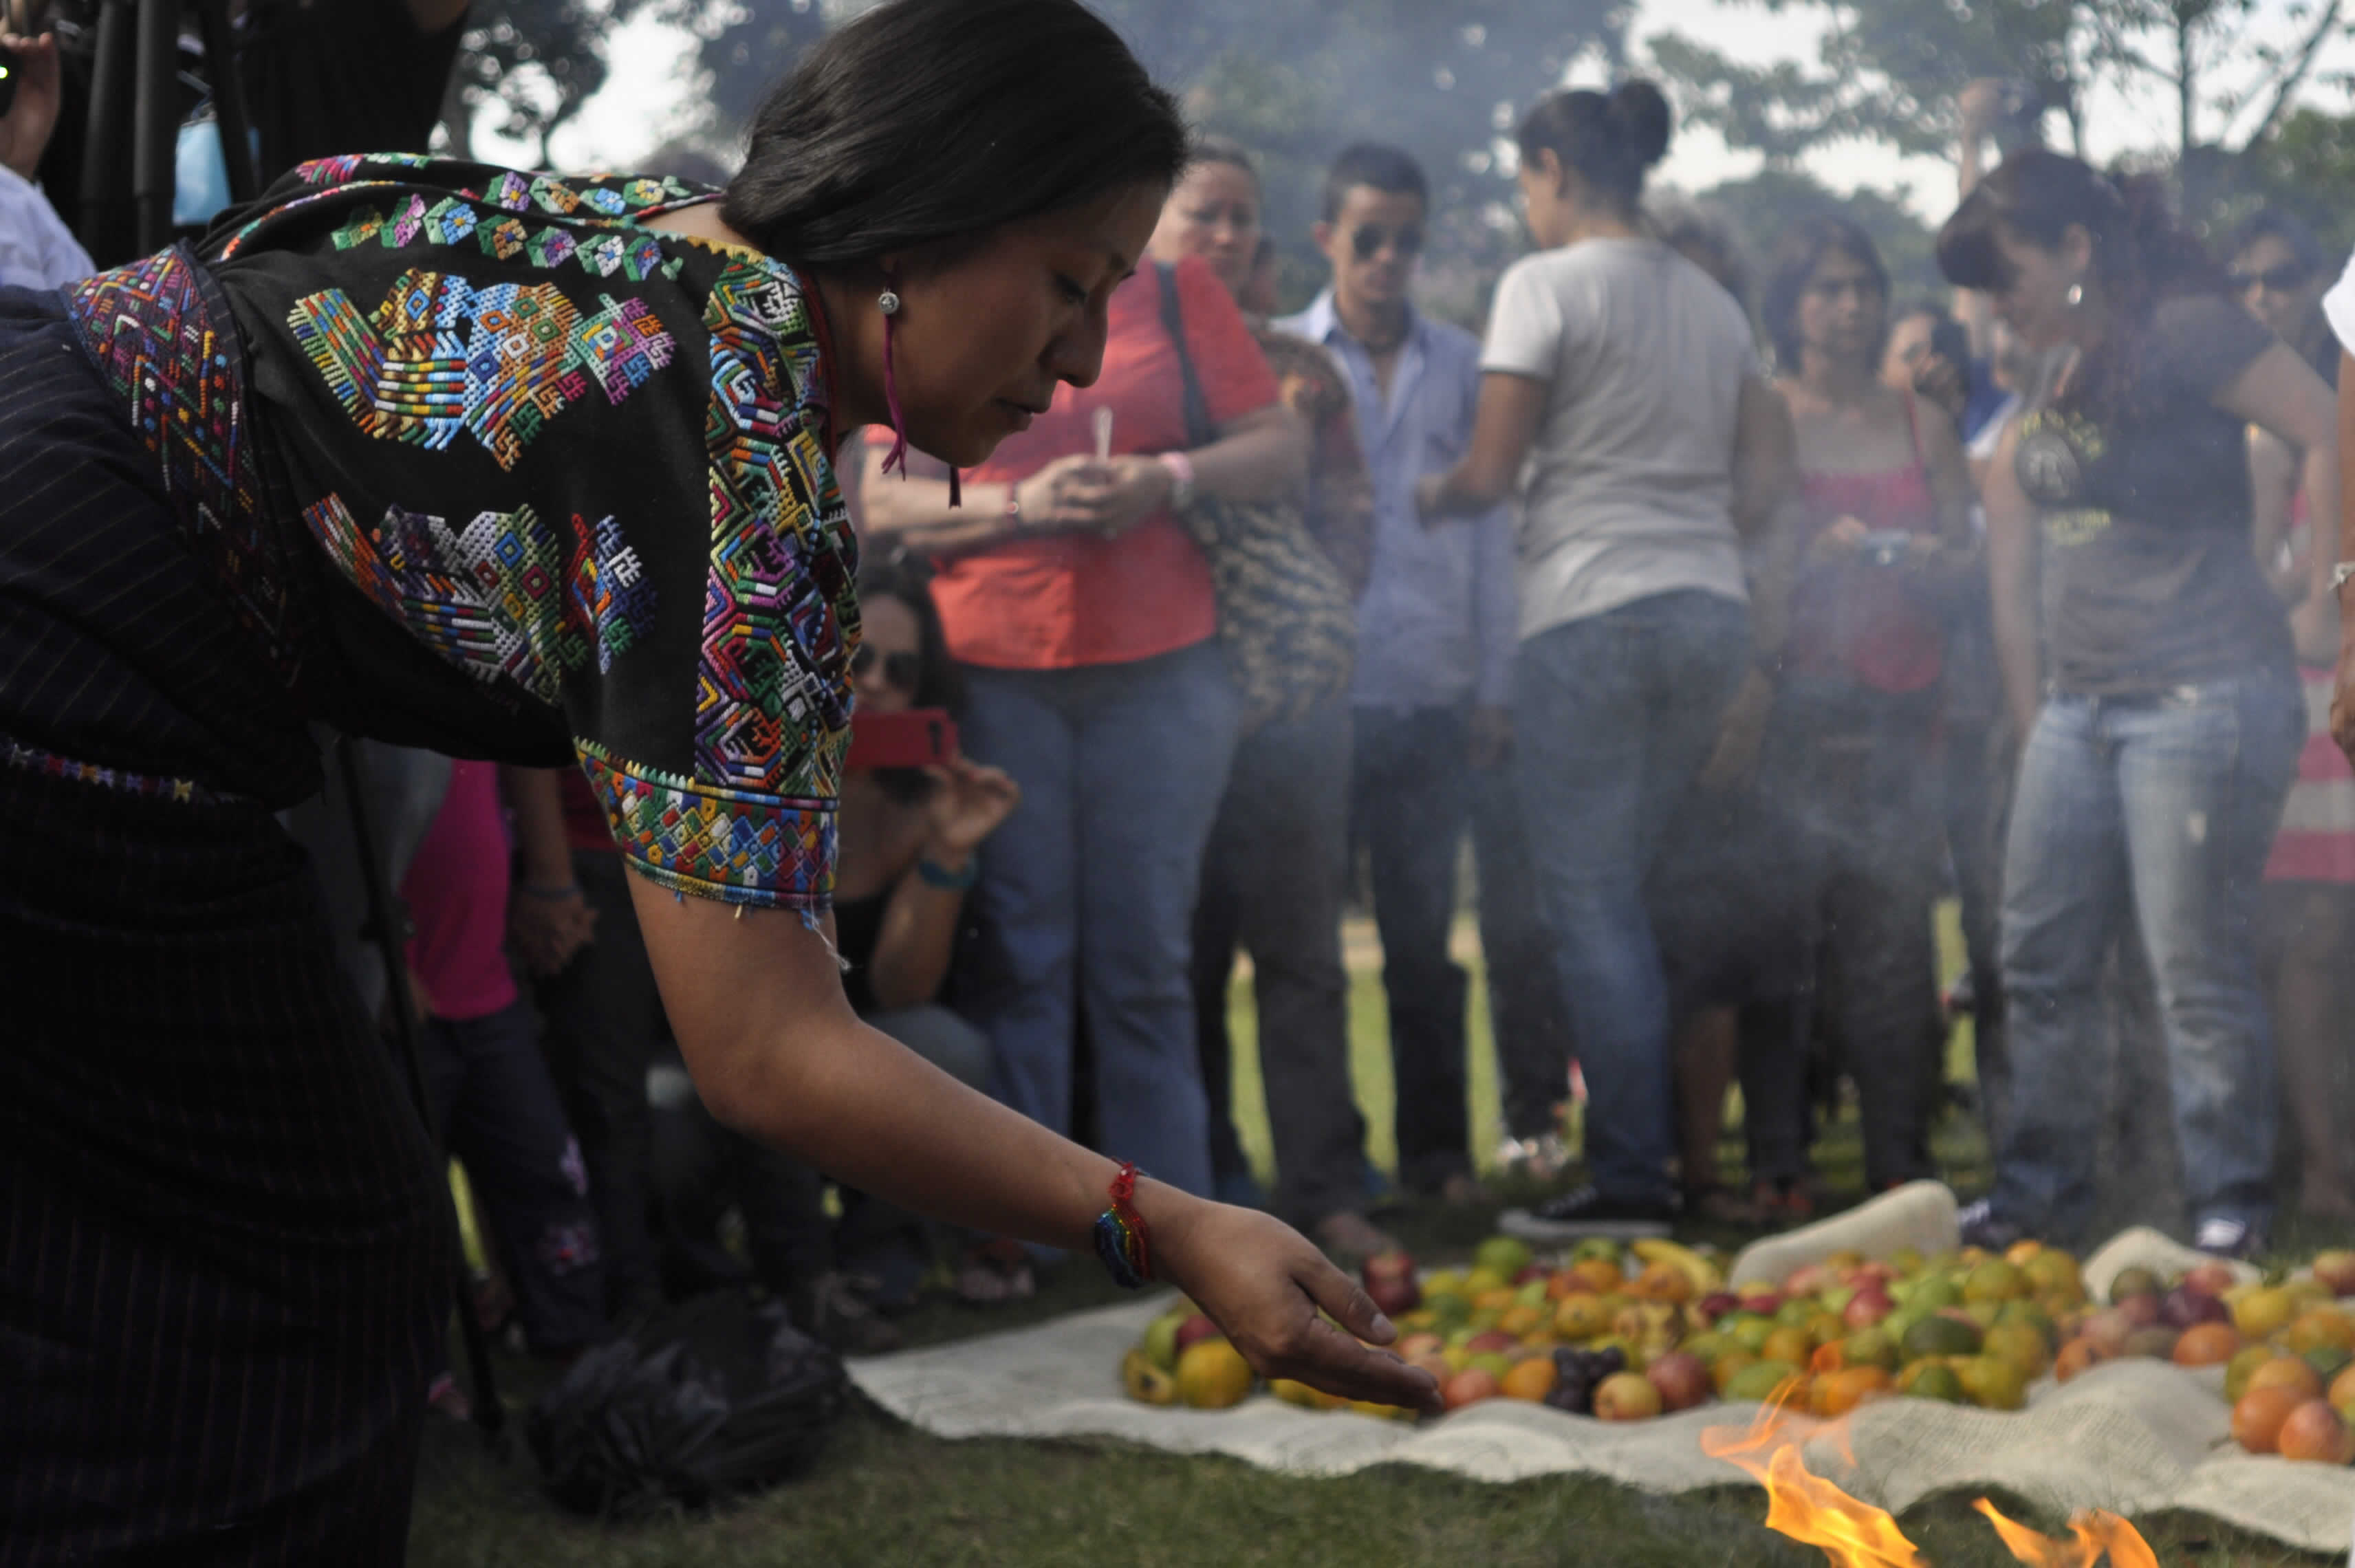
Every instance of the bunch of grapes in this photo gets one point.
(1578, 1372)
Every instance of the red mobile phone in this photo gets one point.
(920, 737)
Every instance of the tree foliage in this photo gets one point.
(1888, 70)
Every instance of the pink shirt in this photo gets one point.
(456, 890)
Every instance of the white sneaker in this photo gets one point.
(2231, 1239)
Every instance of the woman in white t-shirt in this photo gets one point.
(1623, 407)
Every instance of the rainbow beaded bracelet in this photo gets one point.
(1121, 1240)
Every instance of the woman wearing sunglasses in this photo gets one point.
(528, 468)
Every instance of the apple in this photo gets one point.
(1392, 1263)
(1528, 1273)
(2106, 1331)
(1682, 1379)
(2335, 1272)
(1878, 1274)
(2183, 1306)
(1433, 1362)
(1195, 1329)
(1491, 1341)
(2211, 1278)
(1423, 1343)
(1627, 1396)
(1867, 1307)
(1471, 1386)
(1718, 1303)
(1394, 1297)
(1762, 1299)
(1807, 1279)
(2141, 1310)
(2314, 1430)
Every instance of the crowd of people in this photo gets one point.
(1731, 629)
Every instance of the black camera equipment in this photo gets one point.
(136, 113)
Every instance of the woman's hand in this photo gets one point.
(969, 802)
(547, 930)
(1740, 735)
(1046, 498)
(1115, 496)
(1841, 540)
(1261, 1282)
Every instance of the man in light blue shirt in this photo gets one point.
(1436, 640)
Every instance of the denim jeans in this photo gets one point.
(1271, 885)
(1088, 891)
(1614, 715)
(1411, 802)
(2159, 810)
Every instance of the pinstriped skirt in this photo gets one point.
(224, 1248)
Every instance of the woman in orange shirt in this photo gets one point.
(1081, 612)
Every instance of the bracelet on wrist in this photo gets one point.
(2341, 575)
(960, 880)
(548, 893)
(1123, 1239)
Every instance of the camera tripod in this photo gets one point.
(135, 118)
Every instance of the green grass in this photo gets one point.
(886, 1494)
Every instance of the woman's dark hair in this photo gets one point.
(2141, 254)
(2272, 223)
(1797, 254)
(1209, 148)
(904, 578)
(1704, 236)
(1610, 140)
(930, 122)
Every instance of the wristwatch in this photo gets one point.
(2342, 574)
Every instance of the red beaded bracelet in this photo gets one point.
(1123, 1239)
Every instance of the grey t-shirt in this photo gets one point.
(1628, 489)
(2150, 579)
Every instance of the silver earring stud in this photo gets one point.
(887, 303)
(2076, 296)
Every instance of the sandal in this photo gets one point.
(995, 1273)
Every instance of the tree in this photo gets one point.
(1763, 206)
(1889, 70)
(524, 67)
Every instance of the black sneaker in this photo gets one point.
(2234, 1241)
(1583, 1211)
(1980, 1228)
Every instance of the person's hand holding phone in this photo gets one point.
(31, 111)
(969, 802)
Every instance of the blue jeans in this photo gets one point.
(1614, 715)
(1087, 893)
(2159, 810)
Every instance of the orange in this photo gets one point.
(1601, 1274)
(1532, 1380)
(2207, 1345)
(1796, 1345)
(2257, 1419)
(1212, 1375)
(1662, 1282)
(1836, 1393)
(1498, 1298)
(2076, 1358)
(1521, 1322)
(2290, 1372)
(1581, 1316)
(2318, 1327)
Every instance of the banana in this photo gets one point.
(1706, 1276)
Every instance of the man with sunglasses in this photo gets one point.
(1434, 635)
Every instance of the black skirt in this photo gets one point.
(225, 1248)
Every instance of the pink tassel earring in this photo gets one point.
(887, 301)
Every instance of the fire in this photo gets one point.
(1853, 1533)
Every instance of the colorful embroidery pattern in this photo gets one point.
(34, 760)
(440, 356)
(717, 843)
(780, 615)
(503, 596)
(171, 355)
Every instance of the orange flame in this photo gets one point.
(1853, 1533)
(2096, 1532)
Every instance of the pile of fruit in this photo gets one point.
(1629, 1333)
(2288, 1348)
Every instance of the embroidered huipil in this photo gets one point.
(489, 467)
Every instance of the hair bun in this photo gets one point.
(1641, 117)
